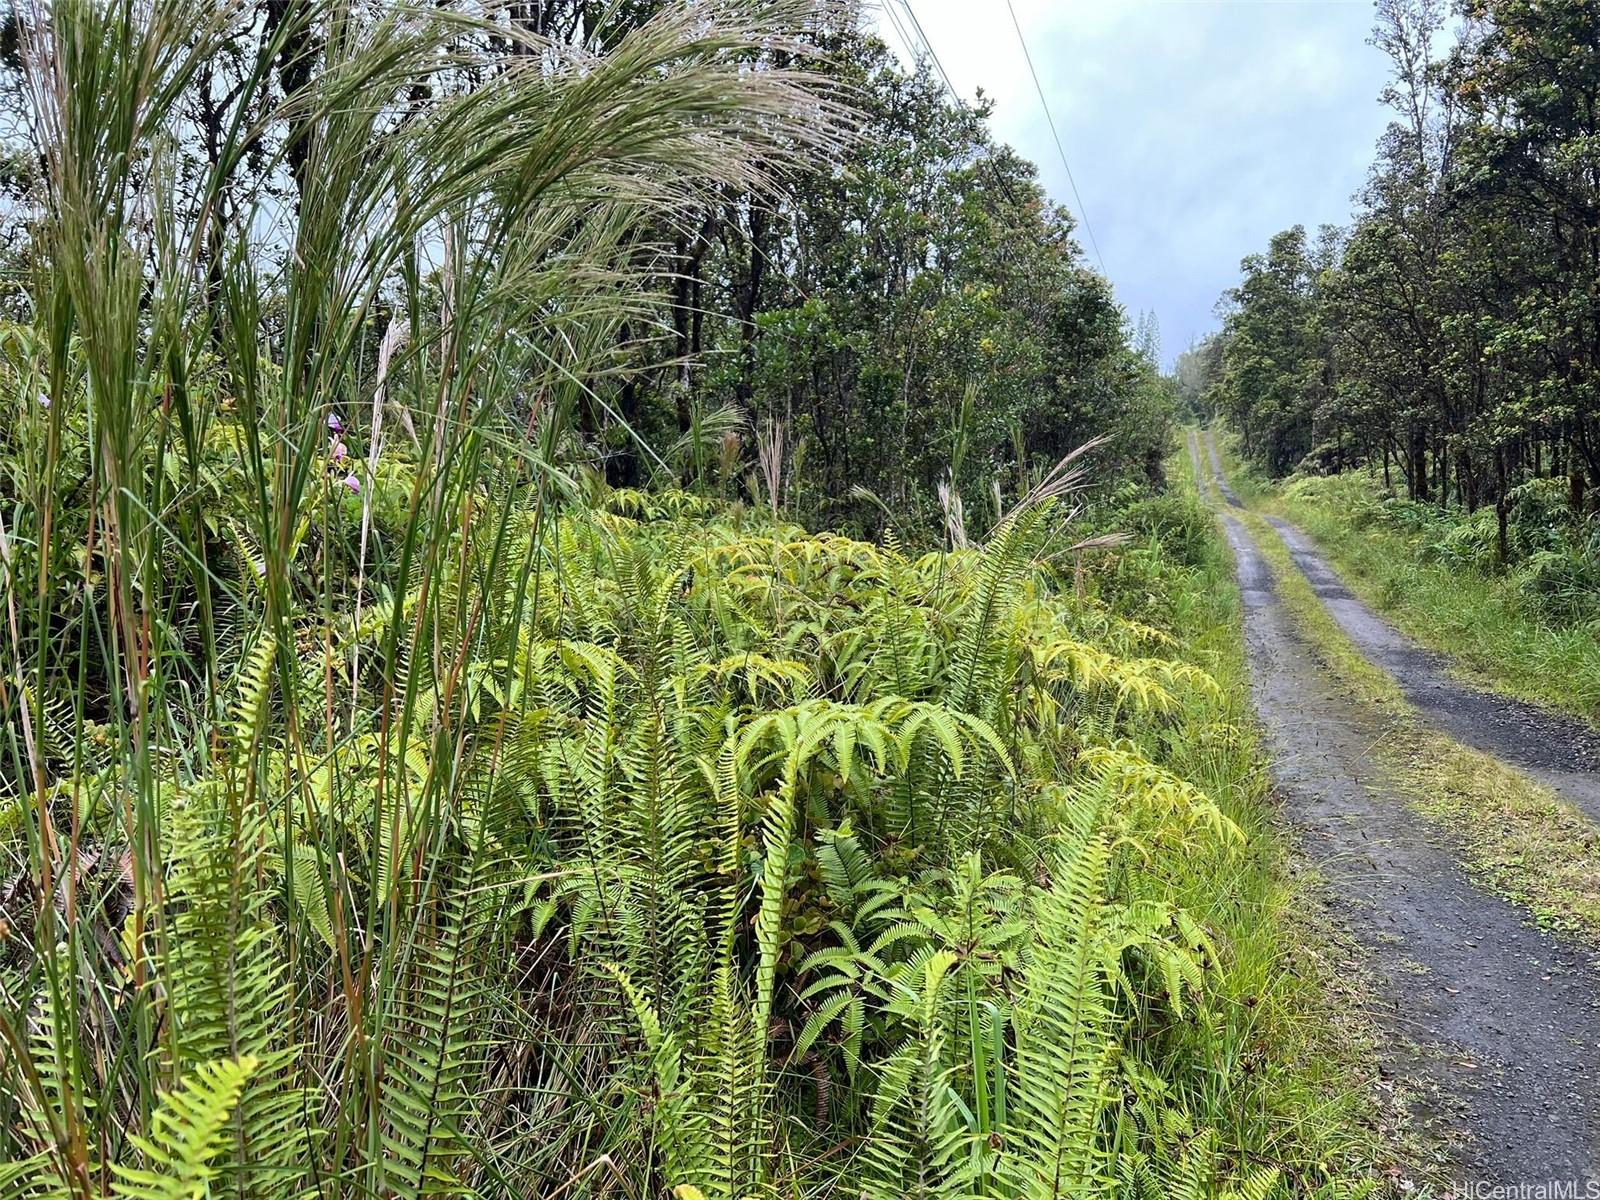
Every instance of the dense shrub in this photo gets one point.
(1469, 543)
(1360, 504)
(1177, 520)
(791, 800)
(1539, 517)
(1562, 584)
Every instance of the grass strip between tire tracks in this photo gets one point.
(1516, 837)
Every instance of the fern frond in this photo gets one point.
(187, 1135)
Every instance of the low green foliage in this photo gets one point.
(870, 846)
(1533, 628)
(391, 806)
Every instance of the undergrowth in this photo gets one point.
(1531, 628)
(391, 808)
(744, 844)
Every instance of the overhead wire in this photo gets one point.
(1049, 117)
(899, 29)
(920, 44)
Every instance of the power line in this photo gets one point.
(926, 47)
(1045, 104)
(921, 45)
(899, 29)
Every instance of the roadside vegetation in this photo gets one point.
(504, 696)
(1531, 627)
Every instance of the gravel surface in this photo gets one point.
(1499, 1018)
(1217, 476)
(1560, 751)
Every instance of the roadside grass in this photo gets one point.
(1491, 636)
(1517, 838)
(1289, 1018)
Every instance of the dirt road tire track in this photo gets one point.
(1477, 1004)
(1561, 752)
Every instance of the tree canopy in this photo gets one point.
(1452, 332)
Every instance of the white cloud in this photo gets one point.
(1195, 129)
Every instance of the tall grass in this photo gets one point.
(189, 505)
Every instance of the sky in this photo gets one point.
(1195, 129)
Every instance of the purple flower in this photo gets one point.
(334, 424)
(340, 451)
(354, 484)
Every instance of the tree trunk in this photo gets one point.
(1501, 552)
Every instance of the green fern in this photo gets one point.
(1064, 1021)
(188, 1134)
